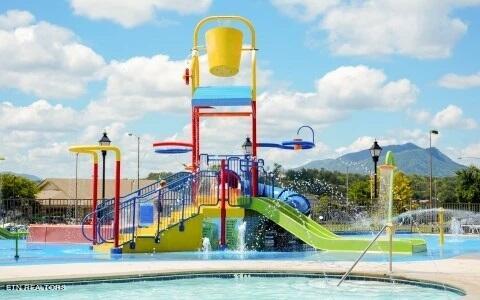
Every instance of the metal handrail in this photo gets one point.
(361, 256)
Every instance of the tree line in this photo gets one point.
(408, 192)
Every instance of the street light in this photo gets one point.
(138, 159)
(433, 131)
(375, 151)
(104, 141)
(247, 147)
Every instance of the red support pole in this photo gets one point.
(95, 196)
(116, 217)
(197, 131)
(223, 210)
(254, 149)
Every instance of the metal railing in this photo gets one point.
(363, 254)
(129, 210)
(145, 190)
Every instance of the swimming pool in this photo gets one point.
(39, 253)
(241, 286)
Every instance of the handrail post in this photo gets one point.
(361, 255)
(134, 211)
(16, 244)
(181, 226)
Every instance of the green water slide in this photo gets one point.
(321, 238)
(5, 234)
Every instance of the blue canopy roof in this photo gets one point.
(222, 96)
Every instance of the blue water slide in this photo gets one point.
(290, 197)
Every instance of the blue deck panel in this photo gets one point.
(222, 96)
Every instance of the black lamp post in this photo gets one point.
(432, 203)
(375, 151)
(104, 141)
(247, 147)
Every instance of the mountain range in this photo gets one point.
(410, 159)
(28, 176)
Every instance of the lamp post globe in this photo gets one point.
(104, 141)
(247, 147)
(375, 152)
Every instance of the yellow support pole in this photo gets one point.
(441, 225)
(116, 216)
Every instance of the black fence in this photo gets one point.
(44, 211)
(348, 217)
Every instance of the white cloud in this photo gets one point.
(364, 142)
(472, 150)
(15, 18)
(418, 28)
(140, 85)
(44, 59)
(130, 13)
(38, 116)
(452, 117)
(305, 10)
(420, 116)
(455, 81)
(359, 87)
(154, 84)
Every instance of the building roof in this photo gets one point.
(67, 188)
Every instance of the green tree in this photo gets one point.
(359, 192)
(158, 176)
(17, 187)
(444, 189)
(468, 185)
(402, 192)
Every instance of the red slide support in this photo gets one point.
(223, 210)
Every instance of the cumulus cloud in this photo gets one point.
(358, 87)
(452, 117)
(305, 10)
(15, 18)
(364, 142)
(423, 29)
(140, 85)
(131, 13)
(455, 81)
(44, 59)
(419, 115)
(38, 116)
(472, 150)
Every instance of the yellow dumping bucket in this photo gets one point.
(224, 48)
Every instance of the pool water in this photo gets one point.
(39, 253)
(242, 286)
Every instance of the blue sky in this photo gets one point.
(353, 70)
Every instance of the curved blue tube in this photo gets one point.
(293, 198)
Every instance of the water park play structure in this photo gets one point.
(217, 192)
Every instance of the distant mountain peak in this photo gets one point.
(410, 158)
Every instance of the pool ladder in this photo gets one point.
(365, 251)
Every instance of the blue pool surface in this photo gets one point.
(40, 253)
(241, 287)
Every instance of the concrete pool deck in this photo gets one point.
(462, 272)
